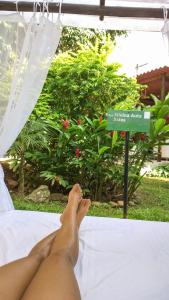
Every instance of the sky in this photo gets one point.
(141, 48)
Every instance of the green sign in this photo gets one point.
(128, 120)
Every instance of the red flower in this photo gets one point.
(66, 124)
(111, 133)
(142, 136)
(78, 122)
(167, 119)
(77, 152)
(100, 119)
(122, 134)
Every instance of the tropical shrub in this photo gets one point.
(83, 83)
(82, 150)
(33, 136)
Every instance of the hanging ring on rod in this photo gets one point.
(17, 9)
(60, 8)
(45, 7)
(38, 4)
(35, 7)
(165, 13)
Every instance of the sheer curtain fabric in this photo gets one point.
(26, 51)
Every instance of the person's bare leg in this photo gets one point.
(17, 275)
(55, 278)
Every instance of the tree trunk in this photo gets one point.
(21, 176)
(99, 189)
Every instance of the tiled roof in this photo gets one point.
(145, 77)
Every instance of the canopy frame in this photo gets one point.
(84, 9)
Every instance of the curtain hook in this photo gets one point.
(165, 13)
(60, 8)
(17, 9)
(47, 8)
(40, 8)
(36, 4)
(43, 8)
(34, 7)
(165, 28)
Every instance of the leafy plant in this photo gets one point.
(72, 37)
(33, 136)
(160, 171)
(83, 83)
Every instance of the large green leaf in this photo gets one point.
(103, 150)
(166, 128)
(89, 121)
(159, 124)
(166, 100)
(163, 111)
(156, 100)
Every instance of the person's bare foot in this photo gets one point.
(82, 210)
(74, 200)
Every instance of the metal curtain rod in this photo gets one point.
(82, 9)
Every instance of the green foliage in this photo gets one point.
(83, 83)
(160, 171)
(82, 150)
(74, 145)
(79, 153)
(153, 204)
(72, 37)
(33, 136)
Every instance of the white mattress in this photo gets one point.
(119, 259)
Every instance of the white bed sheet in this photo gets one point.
(118, 260)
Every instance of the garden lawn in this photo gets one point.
(152, 203)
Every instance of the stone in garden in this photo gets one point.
(113, 204)
(58, 197)
(120, 203)
(41, 194)
(131, 203)
(12, 183)
(96, 203)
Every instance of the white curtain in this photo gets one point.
(26, 51)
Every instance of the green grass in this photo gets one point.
(152, 198)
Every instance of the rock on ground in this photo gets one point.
(41, 194)
(58, 197)
(120, 203)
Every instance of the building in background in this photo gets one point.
(156, 82)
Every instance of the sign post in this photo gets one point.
(126, 172)
(128, 120)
